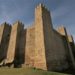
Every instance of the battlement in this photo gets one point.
(5, 24)
(70, 38)
(42, 7)
(18, 23)
(62, 30)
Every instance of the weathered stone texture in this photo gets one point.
(71, 42)
(70, 38)
(1, 32)
(14, 42)
(46, 40)
(39, 46)
(20, 46)
(40, 59)
(30, 47)
(59, 52)
(69, 53)
(5, 30)
(49, 46)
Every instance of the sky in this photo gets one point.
(62, 12)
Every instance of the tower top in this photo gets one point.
(62, 30)
(4, 24)
(70, 38)
(41, 5)
(18, 23)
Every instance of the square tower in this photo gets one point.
(5, 30)
(43, 34)
(15, 47)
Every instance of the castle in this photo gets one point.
(39, 46)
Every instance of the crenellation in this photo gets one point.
(70, 38)
(62, 30)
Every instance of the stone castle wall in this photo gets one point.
(49, 41)
(70, 57)
(30, 46)
(39, 46)
(14, 49)
(5, 30)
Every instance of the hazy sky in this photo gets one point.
(62, 12)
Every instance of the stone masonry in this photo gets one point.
(14, 49)
(39, 46)
(5, 30)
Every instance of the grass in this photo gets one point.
(26, 71)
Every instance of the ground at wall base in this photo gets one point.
(27, 71)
